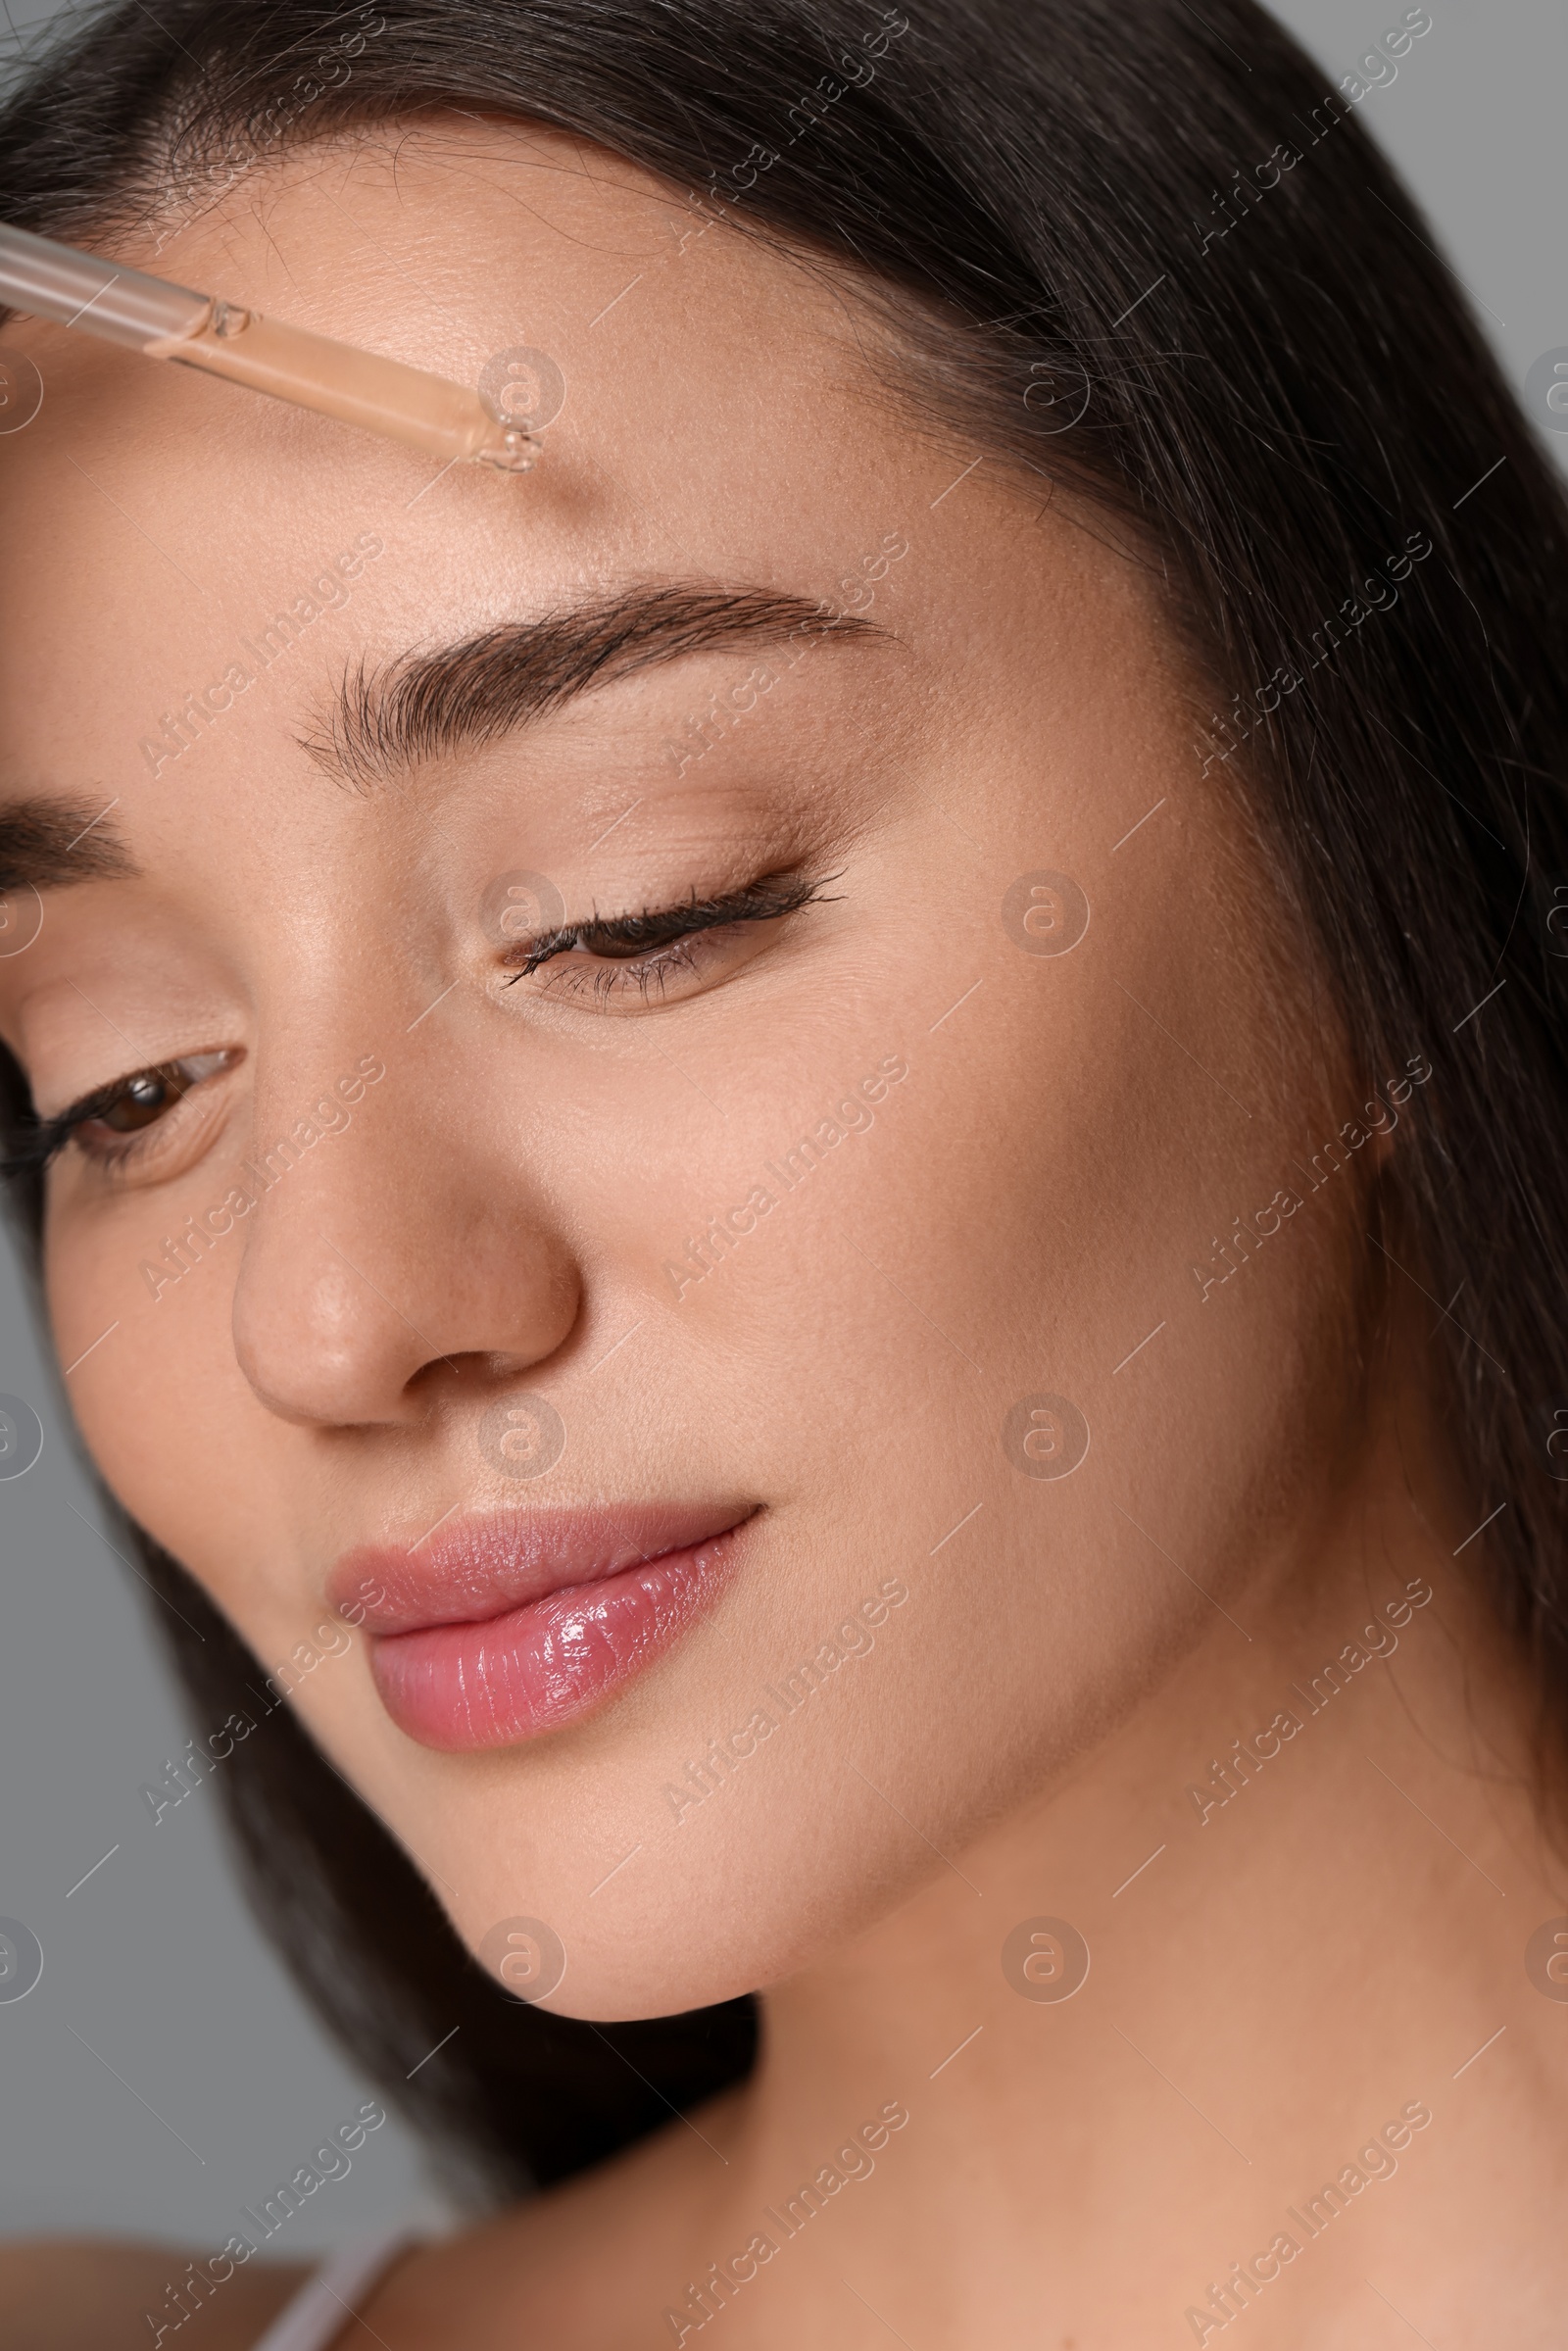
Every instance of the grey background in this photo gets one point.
(163, 2074)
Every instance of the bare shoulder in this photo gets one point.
(99, 2293)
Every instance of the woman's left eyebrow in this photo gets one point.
(53, 844)
(424, 705)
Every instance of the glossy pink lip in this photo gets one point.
(496, 1629)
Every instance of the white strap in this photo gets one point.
(324, 2305)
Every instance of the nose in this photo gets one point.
(394, 1246)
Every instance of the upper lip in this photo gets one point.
(477, 1566)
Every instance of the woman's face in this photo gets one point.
(491, 1269)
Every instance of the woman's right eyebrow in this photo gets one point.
(48, 844)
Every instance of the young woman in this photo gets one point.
(804, 1177)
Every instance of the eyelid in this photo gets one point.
(766, 900)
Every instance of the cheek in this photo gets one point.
(127, 1392)
(170, 1421)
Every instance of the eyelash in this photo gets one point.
(667, 934)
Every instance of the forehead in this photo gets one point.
(716, 412)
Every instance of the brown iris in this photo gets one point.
(143, 1099)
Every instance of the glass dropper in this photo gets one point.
(102, 297)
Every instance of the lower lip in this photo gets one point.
(503, 1679)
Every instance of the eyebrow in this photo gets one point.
(425, 705)
(51, 843)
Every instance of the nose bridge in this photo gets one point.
(382, 1238)
(291, 1122)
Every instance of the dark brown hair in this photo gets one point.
(1169, 268)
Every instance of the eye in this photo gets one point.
(113, 1123)
(664, 950)
(142, 1099)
